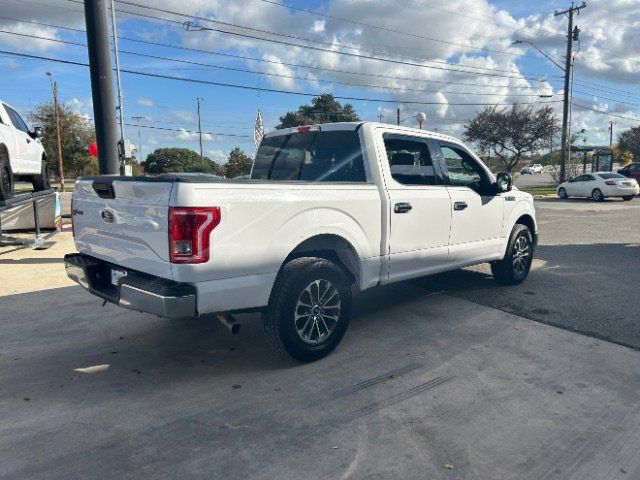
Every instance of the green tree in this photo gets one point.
(629, 140)
(238, 163)
(323, 109)
(76, 134)
(513, 133)
(180, 160)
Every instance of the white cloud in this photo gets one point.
(146, 102)
(218, 156)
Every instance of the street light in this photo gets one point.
(420, 118)
(546, 55)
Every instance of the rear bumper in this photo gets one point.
(137, 291)
(621, 191)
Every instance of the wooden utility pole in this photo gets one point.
(200, 130)
(611, 134)
(567, 76)
(56, 116)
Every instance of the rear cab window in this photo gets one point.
(313, 156)
(410, 161)
(608, 176)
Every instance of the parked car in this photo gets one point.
(532, 168)
(329, 211)
(598, 186)
(22, 156)
(631, 171)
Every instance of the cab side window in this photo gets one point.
(410, 161)
(16, 119)
(464, 170)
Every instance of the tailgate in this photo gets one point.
(124, 222)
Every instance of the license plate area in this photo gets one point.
(116, 275)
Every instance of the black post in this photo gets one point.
(398, 116)
(104, 108)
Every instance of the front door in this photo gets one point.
(476, 210)
(418, 208)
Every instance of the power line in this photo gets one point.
(152, 127)
(295, 65)
(385, 29)
(616, 115)
(310, 47)
(270, 90)
(243, 70)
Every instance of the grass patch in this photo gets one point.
(541, 190)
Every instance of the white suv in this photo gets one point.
(532, 168)
(22, 156)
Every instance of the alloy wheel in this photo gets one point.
(521, 255)
(317, 312)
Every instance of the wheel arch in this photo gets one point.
(330, 247)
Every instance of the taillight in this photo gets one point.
(610, 182)
(189, 232)
(73, 213)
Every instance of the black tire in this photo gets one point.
(597, 195)
(562, 193)
(285, 332)
(6, 176)
(42, 182)
(509, 270)
(627, 198)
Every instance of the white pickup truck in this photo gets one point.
(22, 156)
(329, 210)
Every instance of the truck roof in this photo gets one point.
(328, 127)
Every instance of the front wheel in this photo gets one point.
(309, 309)
(562, 193)
(42, 182)
(515, 266)
(627, 198)
(597, 195)
(6, 177)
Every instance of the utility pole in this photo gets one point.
(398, 116)
(121, 153)
(200, 129)
(567, 76)
(611, 134)
(56, 114)
(104, 109)
(137, 119)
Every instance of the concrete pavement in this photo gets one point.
(424, 385)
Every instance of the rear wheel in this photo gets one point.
(515, 265)
(6, 176)
(626, 198)
(42, 182)
(309, 309)
(562, 193)
(597, 195)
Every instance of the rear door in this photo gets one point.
(477, 211)
(124, 222)
(419, 206)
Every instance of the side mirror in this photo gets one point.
(504, 182)
(38, 132)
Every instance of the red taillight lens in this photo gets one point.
(189, 232)
(73, 214)
(610, 182)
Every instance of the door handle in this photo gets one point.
(402, 207)
(460, 205)
(28, 140)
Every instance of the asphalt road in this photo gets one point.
(431, 381)
(585, 277)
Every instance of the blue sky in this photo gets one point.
(473, 35)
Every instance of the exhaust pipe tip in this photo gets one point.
(229, 322)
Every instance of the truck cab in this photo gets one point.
(329, 210)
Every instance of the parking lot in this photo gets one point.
(445, 377)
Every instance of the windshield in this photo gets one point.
(316, 156)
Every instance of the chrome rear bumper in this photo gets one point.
(136, 291)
